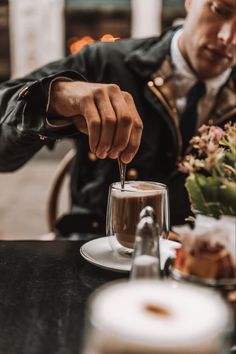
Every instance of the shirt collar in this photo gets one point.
(184, 72)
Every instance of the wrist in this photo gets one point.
(55, 93)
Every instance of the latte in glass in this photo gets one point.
(124, 207)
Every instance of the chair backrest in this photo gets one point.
(54, 193)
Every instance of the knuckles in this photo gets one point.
(94, 124)
(104, 90)
(109, 120)
(127, 96)
(138, 125)
(86, 99)
(99, 93)
(113, 88)
(126, 120)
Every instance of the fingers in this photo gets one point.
(114, 125)
(110, 118)
(123, 126)
(90, 122)
(108, 123)
(135, 135)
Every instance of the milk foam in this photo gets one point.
(195, 315)
(137, 189)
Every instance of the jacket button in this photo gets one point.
(95, 224)
(42, 137)
(92, 156)
(132, 173)
(159, 81)
(150, 84)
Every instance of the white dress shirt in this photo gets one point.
(186, 79)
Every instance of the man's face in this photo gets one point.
(209, 36)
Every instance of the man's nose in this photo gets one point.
(227, 33)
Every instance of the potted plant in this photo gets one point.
(211, 183)
(208, 251)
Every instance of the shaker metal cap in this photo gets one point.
(148, 211)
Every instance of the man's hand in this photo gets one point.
(104, 112)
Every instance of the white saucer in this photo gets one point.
(98, 252)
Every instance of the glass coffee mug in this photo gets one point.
(124, 207)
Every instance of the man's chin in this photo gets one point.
(209, 71)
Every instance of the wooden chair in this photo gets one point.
(54, 193)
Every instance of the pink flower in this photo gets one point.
(198, 164)
(212, 147)
(211, 162)
(228, 126)
(218, 133)
(203, 129)
(186, 166)
(215, 134)
(183, 168)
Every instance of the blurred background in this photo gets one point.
(33, 33)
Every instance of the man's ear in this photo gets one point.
(187, 4)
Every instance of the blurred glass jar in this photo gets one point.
(156, 317)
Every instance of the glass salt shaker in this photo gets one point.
(146, 255)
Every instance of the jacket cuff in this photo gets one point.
(55, 122)
(34, 111)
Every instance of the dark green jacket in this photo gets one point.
(141, 67)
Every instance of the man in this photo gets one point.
(98, 96)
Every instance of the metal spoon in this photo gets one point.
(122, 169)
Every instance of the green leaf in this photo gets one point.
(210, 187)
(198, 202)
(227, 197)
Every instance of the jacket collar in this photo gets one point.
(225, 107)
(145, 60)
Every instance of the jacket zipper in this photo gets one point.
(159, 95)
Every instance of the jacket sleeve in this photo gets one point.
(24, 128)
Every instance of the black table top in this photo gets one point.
(44, 287)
